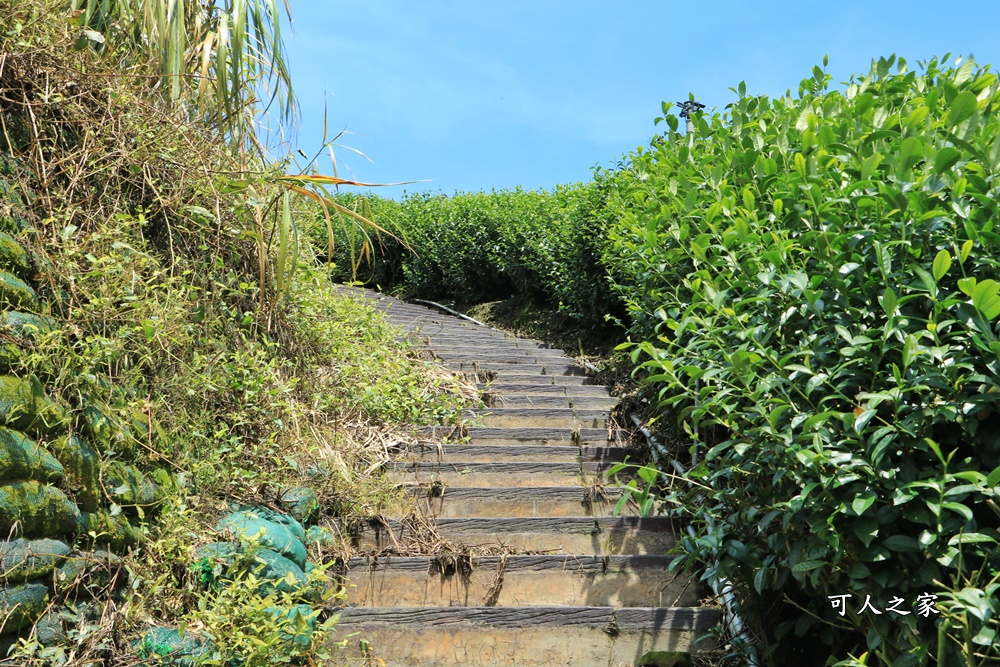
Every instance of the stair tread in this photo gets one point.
(542, 615)
(533, 563)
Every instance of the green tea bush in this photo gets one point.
(816, 278)
(540, 246)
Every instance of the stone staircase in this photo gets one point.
(568, 584)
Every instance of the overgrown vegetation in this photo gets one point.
(194, 340)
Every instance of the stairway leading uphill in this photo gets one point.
(573, 585)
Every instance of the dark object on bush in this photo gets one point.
(665, 659)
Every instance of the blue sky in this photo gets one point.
(478, 94)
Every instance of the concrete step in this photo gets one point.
(601, 536)
(523, 436)
(500, 356)
(446, 338)
(520, 417)
(592, 581)
(512, 346)
(494, 474)
(504, 400)
(510, 377)
(456, 502)
(429, 334)
(522, 636)
(499, 453)
(503, 387)
(556, 368)
(490, 453)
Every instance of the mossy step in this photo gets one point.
(549, 417)
(498, 353)
(512, 345)
(547, 367)
(486, 376)
(554, 401)
(430, 340)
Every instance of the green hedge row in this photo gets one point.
(543, 246)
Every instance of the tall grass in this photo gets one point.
(224, 64)
(224, 61)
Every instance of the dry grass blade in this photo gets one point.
(492, 595)
(224, 61)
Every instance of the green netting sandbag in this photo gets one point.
(28, 324)
(321, 536)
(90, 575)
(16, 293)
(275, 569)
(13, 257)
(214, 562)
(301, 503)
(24, 405)
(274, 516)
(246, 525)
(113, 531)
(33, 509)
(164, 481)
(99, 425)
(51, 629)
(21, 605)
(128, 486)
(23, 458)
(298, 623)
(23, 559)
(23, 326)
(82, 466)
(70, 574)
(171, 648)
